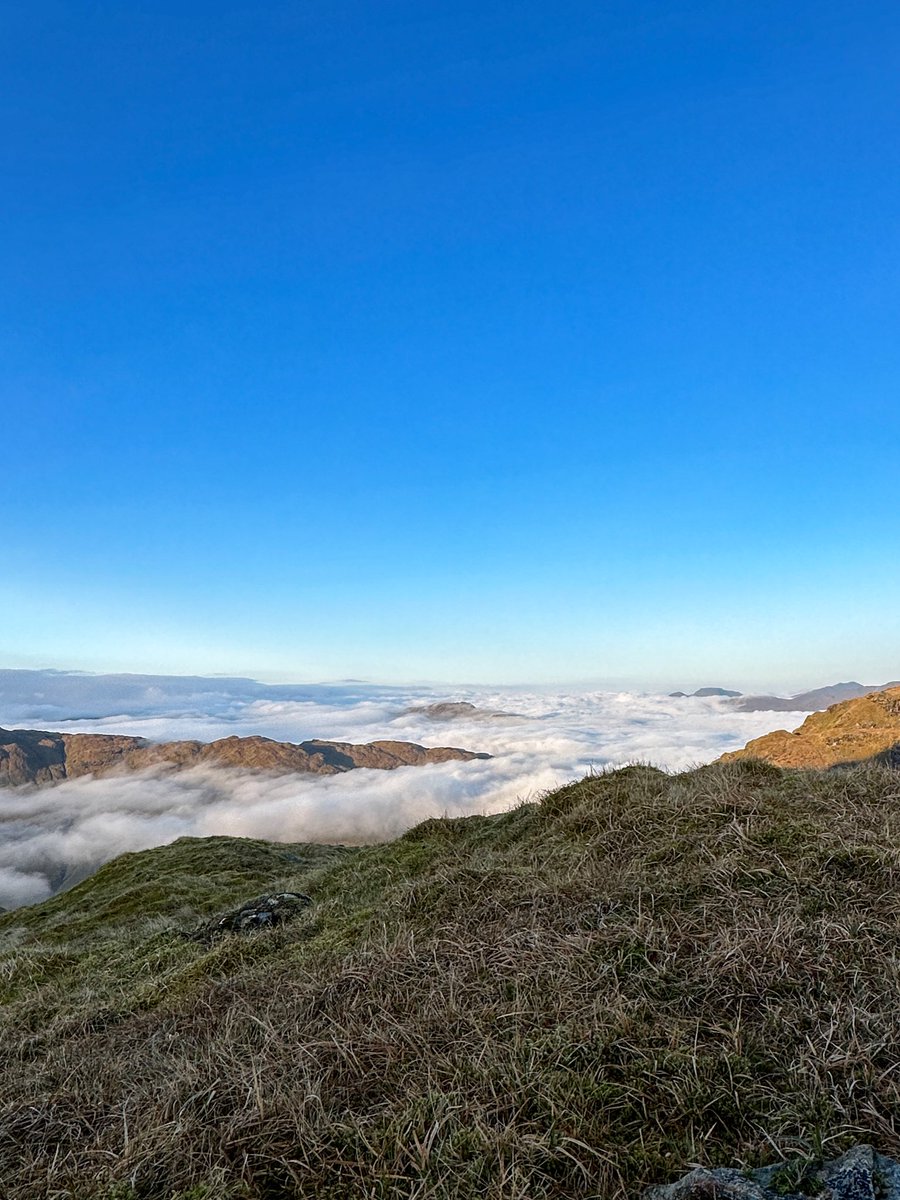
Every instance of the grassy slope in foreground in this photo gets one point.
(574, 999)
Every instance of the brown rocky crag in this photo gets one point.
(39, 757)
(850, 732)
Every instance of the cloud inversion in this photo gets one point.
(52, 836)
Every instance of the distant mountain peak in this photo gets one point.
(814, 700)
(705, 691)
(452, 710)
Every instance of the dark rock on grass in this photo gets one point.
(860, 1174)
(265, 912)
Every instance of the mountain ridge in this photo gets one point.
(42, 757)
(814, 700)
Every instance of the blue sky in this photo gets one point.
(486, 342)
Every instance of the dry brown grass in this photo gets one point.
(575, 1000)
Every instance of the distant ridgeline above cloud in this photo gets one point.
(48, 695)
(811, 701)
(45, 697)
(702, 693)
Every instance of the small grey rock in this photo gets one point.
(860, 1174)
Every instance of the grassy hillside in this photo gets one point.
(574, 999)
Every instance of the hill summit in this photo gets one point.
(849, 732)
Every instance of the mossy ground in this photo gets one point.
(573, 999)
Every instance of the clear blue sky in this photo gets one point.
(464, 341)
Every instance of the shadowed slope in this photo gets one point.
(31, 756)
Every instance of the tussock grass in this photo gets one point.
(573, 999)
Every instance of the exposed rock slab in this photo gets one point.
(40, 757)
(860, 1174)
(856, 730)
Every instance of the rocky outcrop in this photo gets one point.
(868, 727)
(39, 757)
(860, 1174)
(93, 753)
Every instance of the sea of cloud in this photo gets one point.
(53, 836)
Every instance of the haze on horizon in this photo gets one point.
(519, 343)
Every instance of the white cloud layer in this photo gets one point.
(50, 837)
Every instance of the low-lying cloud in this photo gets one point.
(50, 837)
